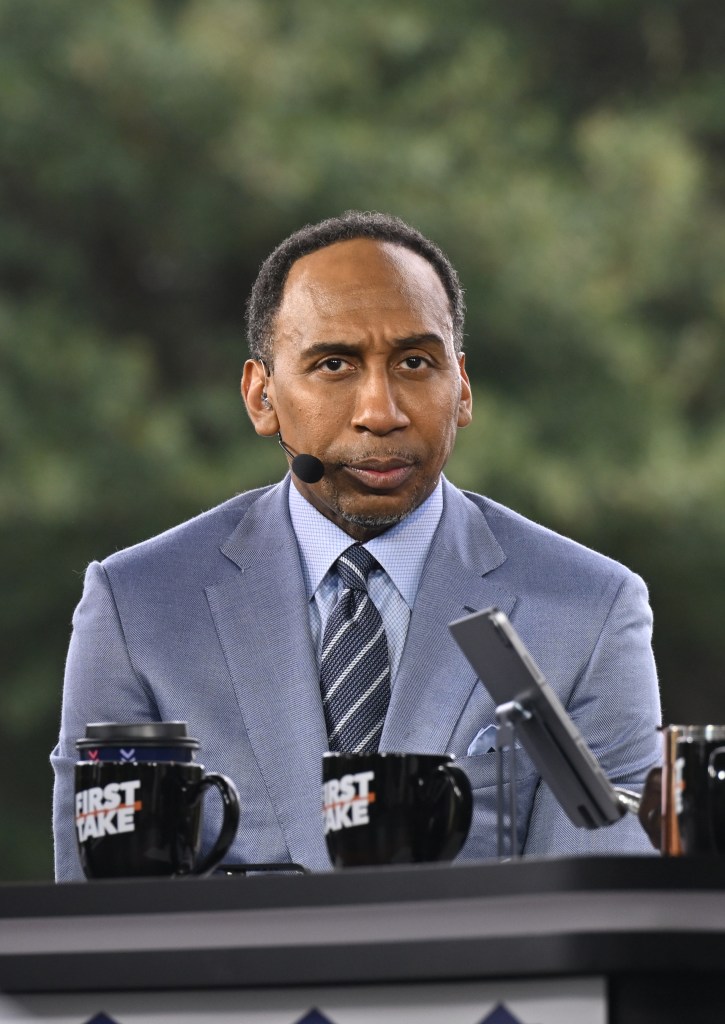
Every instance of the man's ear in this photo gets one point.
(465, 403)
(255, 381)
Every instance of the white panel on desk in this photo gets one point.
(546, 1001)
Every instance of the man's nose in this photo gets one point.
(377, 405)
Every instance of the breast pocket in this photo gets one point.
(481, 768)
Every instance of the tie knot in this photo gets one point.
(353, 567)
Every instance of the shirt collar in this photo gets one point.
(401, 550)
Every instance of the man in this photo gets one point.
(225, 622)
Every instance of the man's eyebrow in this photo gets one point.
(419, 339)
(326, 348)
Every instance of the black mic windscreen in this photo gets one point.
(308, 468)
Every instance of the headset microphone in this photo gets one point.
(306, 468)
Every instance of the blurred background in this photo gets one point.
(570, 158)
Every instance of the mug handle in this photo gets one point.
(230, 799)
(716, 797)
(450, 787)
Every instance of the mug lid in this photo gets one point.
(140, 734)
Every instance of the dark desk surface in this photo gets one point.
(534, 918)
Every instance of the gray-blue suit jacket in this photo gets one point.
(209, 624)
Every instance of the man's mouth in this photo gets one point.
(380, 474)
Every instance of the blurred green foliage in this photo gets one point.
(569, 156)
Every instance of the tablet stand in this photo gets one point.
(508, 717)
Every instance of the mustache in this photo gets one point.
(340, 459)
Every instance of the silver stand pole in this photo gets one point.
(507, 717)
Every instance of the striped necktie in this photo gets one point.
(355, 667)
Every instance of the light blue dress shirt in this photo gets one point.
(401, 551)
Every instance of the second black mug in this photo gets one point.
(393, 808)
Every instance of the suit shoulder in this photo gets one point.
(530, 543)
(196, 537)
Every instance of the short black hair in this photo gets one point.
(266, 295)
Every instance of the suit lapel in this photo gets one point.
(434, 679)
(262, 621)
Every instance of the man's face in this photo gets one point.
(366, 378)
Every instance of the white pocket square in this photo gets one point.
(484, 742)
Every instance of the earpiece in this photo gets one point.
(267, 373)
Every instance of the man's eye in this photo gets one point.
(414, 362)
(333, 364)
